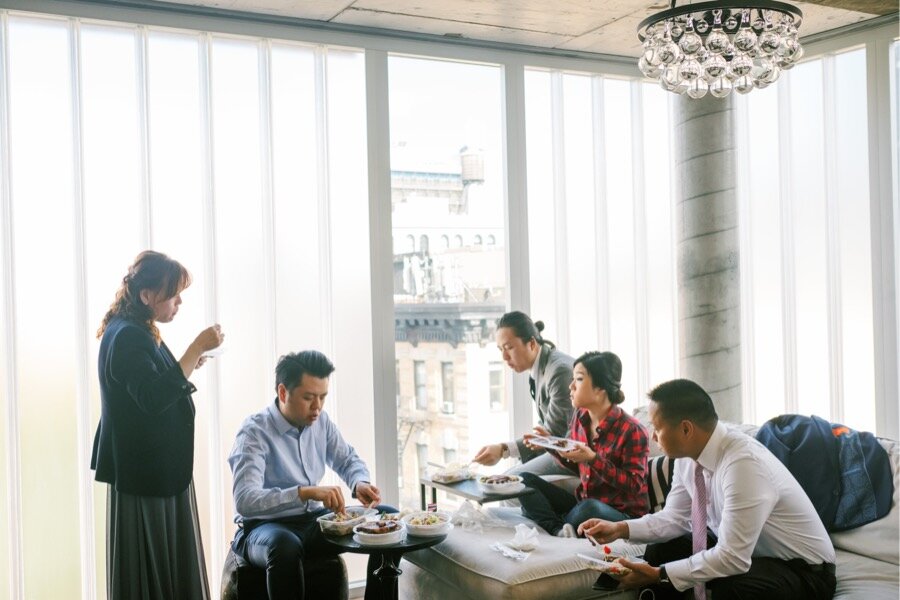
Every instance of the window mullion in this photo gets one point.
(82, 387)
(640, 236)
(833, 243)
(211, 308)
(10, 366)
(381, 260)
(516, 202)
(561, 225)
(789, 287)
(601, 214)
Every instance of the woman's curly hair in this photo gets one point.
(152, 271)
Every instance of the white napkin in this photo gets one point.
(474, 519)
(526, 538)
(522, 544)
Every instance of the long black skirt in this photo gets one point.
(153, 548)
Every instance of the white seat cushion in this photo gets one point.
(465, 562)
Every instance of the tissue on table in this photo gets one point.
(526, 538)
(474, 519)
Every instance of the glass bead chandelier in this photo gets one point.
(715, 47)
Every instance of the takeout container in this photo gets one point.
(358, 515)
(424, 530)
(513, 485)
(376, 539)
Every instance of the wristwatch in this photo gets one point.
(504, 450)
(663, 576)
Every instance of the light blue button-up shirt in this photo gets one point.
(271, 458)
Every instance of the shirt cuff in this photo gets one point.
(513, 449)
(639, 533)
(679, 573)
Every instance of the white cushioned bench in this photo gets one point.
(464, 567)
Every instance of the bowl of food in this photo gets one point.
(376, 533)
(500, 484)
(425, 524)
(343, 523)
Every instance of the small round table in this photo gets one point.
(390, 555)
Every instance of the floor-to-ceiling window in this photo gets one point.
(446, 183)
(245, 158)
(600, 212)
(806, 201)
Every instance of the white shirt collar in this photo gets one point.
(709, 457)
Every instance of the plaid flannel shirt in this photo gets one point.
(618, 476)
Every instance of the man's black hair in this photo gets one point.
(291, 368)
(683, 400)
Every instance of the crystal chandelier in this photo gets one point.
(718, 46)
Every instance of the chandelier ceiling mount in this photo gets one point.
(719, 46)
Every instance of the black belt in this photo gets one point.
(821, 568)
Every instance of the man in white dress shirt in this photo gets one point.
(763, 538)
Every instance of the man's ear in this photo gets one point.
(687, 427)
(282, 392)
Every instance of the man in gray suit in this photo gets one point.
(524, 350)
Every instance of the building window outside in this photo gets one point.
(397, 380)
(445, 242)
(423, 244)
(491, 240)
(477, 240)
(420, 378)
(422, 454)
(497, 392)
(457, 241)
(450, 443)
(448, 405)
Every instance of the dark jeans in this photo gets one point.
(551, 507)
(769, 578)
(279, 547)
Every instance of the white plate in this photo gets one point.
(513, 488)
(214, 352)
(550, 443)
(443, 531)
(390, 542)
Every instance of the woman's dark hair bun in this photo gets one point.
(539, 325)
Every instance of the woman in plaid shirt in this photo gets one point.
(609, 457)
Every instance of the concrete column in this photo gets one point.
(708, 258)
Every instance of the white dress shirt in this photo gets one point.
(756, 508)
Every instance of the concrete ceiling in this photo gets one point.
(601, 26)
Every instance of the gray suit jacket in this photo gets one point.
(551, 396)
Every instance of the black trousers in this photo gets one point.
(279, 547)
(768, 578)
(551, 507)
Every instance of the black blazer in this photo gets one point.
(145, 440)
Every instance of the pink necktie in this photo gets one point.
(698, 522)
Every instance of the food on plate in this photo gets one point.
(341, 517)
(342, 523)
(389, 516)
(429, 519)
(379, 527)
(615, 567)
(499, 479)
(561, 443)
(452, 473)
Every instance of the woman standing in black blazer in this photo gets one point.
(144, 446)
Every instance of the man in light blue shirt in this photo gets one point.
(278, 459)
